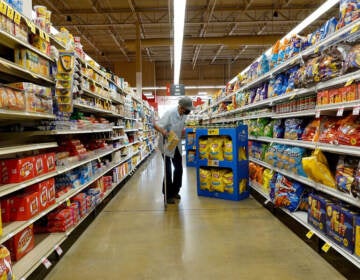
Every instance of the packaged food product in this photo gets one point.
(5, 264)
(5, 210)
(349, 12)
(317, 211)
(217, 183)
(346, 175)
(278, 129)
(191, 156)
(22, 243)
(17, 170)
(216, 148)
(228, 180)
(312, 131)
(203, 148)
(41, 189)
(317, 169)
(205, 179)
(323, 97)
(294, 129)
(287, 193)
(24, 206)
(349, 131)
(340, 225)
(190, 139)
(228, 152)
(267, 175)
(328, 130)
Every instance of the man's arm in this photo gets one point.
(162, 123)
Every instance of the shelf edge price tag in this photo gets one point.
(340, 112)
(42, 34)
(310, 234)
(292, 96)
(356, 111)
(3, 7)
(355, 28)
(32, 27)
(213, 162)
(47, 37)
(326, 247)
(46, 263)
(214, 131)
(10, 13)
(349, 82)
(58, 250)
(317, 114)
(17, 18)
(68, 203)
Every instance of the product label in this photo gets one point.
(58, 250)
(10, 13)
(24, 241)
(3, 8)
(340, 112)
(214, 131)
(356, 111)
(46, 263)
(309, 234)
(317, 114)
(213, 163)
(326, 247)
(17, 18)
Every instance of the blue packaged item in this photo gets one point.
(278, 85)
(295, 43)
(293, 160)
(278, 129)
(288, 193)
(263, 66)
(291, 81)
(272, 186)
(271, 87)
(294, 129)
(252, 95)
(264, 92)
(317, 211)
(328, 28)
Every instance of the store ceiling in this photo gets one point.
(216, 31)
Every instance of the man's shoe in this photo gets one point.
(170, 200)
(177, 196)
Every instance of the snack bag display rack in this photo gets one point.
(190, 147)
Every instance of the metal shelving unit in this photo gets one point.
(95, 95)
(28, 147)
(21, 115)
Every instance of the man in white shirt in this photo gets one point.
(173, 120)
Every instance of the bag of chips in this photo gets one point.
(217, 183)
(345, 176)
(228, 152)
(205, 179)
(203, 148)
(216, 148)
(228, 180)
(287, 193)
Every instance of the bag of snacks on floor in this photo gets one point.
(205, 179)
(317, 168)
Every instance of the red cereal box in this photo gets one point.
(41, 190)
(5, 210)
(51, 192)
(50, 162)
(24, 207)
(22, 243)
(39, 165)
(323, 97)
(350, 93)
(17, 170)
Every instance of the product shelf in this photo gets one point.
(306, 181)
(28, 147)
(90, 109)
(18, 71)
(21, 115)
(336, 106)
(10, 188)
(305, 113)
(12, 42)
(301, 217)
(116, 138)
(62, 132)
(118, 127)
(92, 94)
(95, 82)
(115, 100)
(131, 130)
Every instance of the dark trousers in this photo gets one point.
(173, 183)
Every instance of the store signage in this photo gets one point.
(177, 90)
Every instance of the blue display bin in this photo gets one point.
(239, 165)
(190, 147)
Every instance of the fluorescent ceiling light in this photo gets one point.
(301, 26)
(202, 93)
(179, 19)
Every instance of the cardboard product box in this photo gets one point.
(25, 206)
(317, 212)
(50, 162)
(51, 192)
(41, 189)
(323, 97)
(357, 236)
(22, 243)
(40, 165)
(17, 170)
(340, 225)
(5, 210)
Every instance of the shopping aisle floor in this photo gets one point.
(199, 238)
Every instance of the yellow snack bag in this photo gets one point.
(172, 141)
(242, 153)
(317, 169)
(242, 186)
(228, 180)
(205, 179)
(267, 175)
(228, 152)
(203, 149)
(216, 180)
(216, 148)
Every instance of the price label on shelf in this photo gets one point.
(340, 112)
(317, 114)
(326, 247)
(17, 18)
(3, 7)
(58, 250)
(194, 147)
(310, 234)
(349, 82)
(10, 13)
(292, 96)
(214, 131)
(68, 203)
(316, 49)
(42, 34)
(213, 163)
(355, 28)
(46, 263)
(356, 110)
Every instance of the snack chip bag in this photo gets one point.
(293, 129)
(287, 193)
(228, 152)
(205, 179)
(203, 148)
(172, 141)
(216, 148)
(217, 183)
(5, 264)
(243, 186)
(317, 169)
(228, 181)
(346, 170)
(267, 175)
(312, 131)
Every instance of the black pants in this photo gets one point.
(173, 183)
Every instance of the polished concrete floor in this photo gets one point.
(199, 238)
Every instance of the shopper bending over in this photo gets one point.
(173, 120)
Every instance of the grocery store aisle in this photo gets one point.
(200, 238)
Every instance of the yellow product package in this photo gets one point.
(267, 176)
(317, 169)
(217, 183)
(205, 179)
(216, 148)
(203, 148)
(242, 186)
(228, 151)
(242, 153)
(172, 141)
(228, 180)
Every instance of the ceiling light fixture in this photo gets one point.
(301, 26)
(179, 19)
(202, 93)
